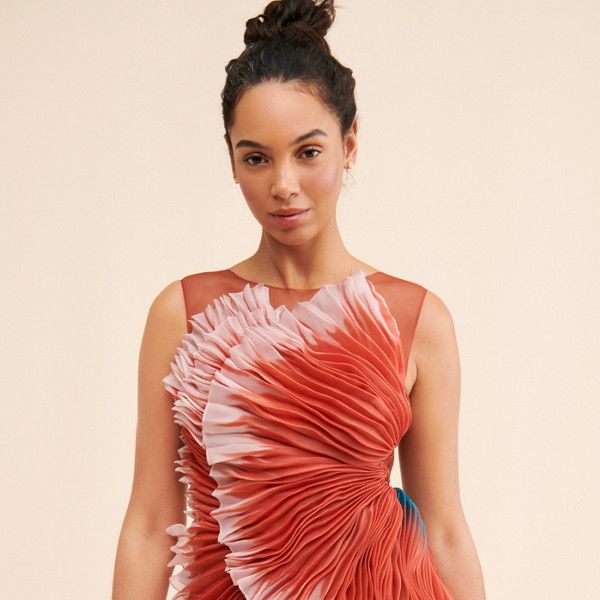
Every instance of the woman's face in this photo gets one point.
(287, 153)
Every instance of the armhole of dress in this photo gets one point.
(183, 281)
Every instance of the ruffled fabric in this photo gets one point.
(289, 423)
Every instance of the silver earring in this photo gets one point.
(348, 178)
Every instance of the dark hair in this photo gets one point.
(287, 43)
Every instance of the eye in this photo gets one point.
(312, 150)
(248, 158)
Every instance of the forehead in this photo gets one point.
(273, 112)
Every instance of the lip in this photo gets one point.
(287, 211)
(292, 217)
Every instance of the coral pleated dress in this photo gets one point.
(291, 404)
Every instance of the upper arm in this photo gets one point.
(157, 497)
(429, 449)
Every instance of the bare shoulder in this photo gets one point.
(169, 300)
(435, 333)
(167, 313)
(166, 324)
(435, 317)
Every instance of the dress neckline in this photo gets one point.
(292, 289)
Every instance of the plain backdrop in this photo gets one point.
(477, 177)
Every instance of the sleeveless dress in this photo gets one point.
(291, 404)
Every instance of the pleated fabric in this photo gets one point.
(289, 421)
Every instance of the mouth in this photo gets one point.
(290, 218)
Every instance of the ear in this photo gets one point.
(227, 141)
(351, 143)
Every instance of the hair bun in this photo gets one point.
(311, 18)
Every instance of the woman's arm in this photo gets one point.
(429, 451)
(157, 497)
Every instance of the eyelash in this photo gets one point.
(258, 156)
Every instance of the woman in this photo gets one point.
(282, 386)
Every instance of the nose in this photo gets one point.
(285, 181)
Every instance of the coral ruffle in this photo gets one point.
(289, 421)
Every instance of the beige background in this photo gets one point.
(477, 176)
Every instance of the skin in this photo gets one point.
(306, 174)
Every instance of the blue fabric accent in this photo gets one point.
(410, 508)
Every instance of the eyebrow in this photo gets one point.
(300, 138)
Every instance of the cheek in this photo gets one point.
(325, 182)
(255, 195)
